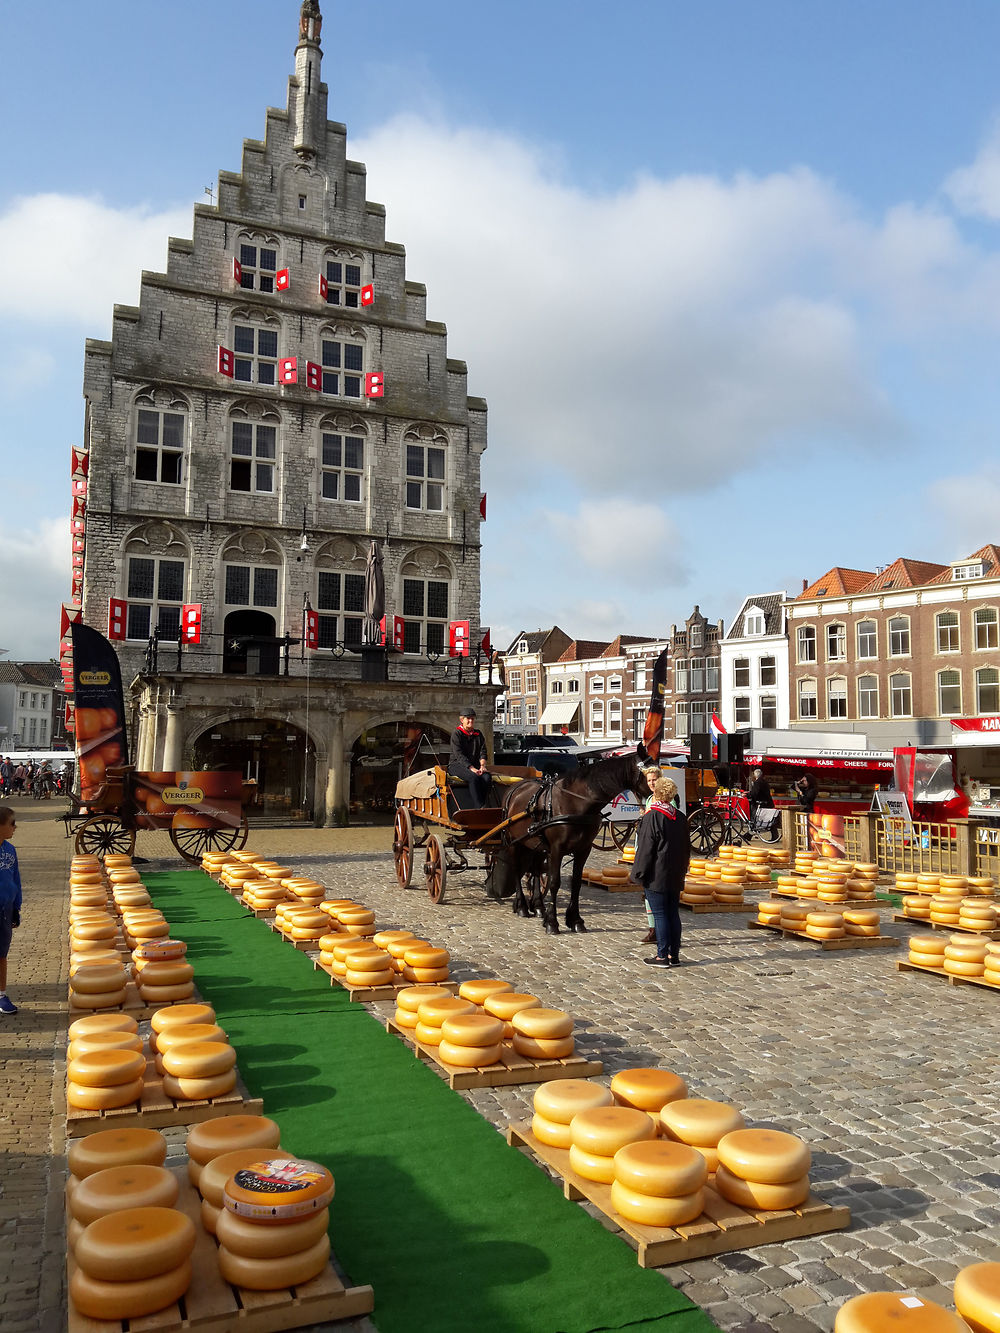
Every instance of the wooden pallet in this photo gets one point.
(700, 909)
(155, 1109)
(722, 1227)
(370, 994)
(614, 886)
(906, 966)
(984, 932)
(848, 941)
(211, 1305)
(512, 1070)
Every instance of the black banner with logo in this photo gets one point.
(652, 734)
(101, 742)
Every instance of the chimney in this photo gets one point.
(805, 584)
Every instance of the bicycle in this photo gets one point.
(728, 822)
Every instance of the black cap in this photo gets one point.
(468, 712)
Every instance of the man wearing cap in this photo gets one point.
(468, 758)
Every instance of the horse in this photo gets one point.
(550, 821)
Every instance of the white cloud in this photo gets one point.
(77, 257)
(975, 189)
(623, 537)
(34, 579)
(967, 508)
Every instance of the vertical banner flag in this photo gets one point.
(314, 376)
(374, 385)
(717, 729)
(486, 646)
(312, 627)
(282, 280)
(458, 638)
(324, 286)
(652, 732)
(288, 370)
(482, 506)
(398, 633)
(226, 362)
(381, 631)
(191, 622)
(237, 271)
(117, 611)
(368, 294)
(100, 707)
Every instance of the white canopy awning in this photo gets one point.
(560, 714)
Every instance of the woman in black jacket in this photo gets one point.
(662, 853)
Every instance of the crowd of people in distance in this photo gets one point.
(28, 778)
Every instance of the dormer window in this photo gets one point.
(522, 647)
(753, 624)
(973, 570)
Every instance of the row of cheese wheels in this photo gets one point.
(807, 863)
(777, 856)
(958, 955)
(856, 921)
(697, 891)
(468, 1030)
(933, 882)
(832, 889)
(971, 913)
(977, 1300)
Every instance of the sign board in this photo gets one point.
(891, 804)
(624, 809)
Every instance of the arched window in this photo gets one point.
(949, 685)
(160, 433)
(597, 684)
(255, 347)
(899, 639)
(251, 569)
(342, 356)
(900, 697)
(156, 561)
(836, 697)
(253, 449)
(985, 620)
(258, 256)
(614, 715)
(806, 640)
(836, 642)
(807, 698)
(426, 579)
(342, 458)
(425, 468)
(988, 690)
(867, 640)
(868, 696)
(946, 628)
(343, 271)
(340, 592)
(597, 716)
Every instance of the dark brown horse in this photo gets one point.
(553, 821)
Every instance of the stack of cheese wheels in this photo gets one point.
(132, 895)
(977, 914)
(308, 925)
(235, 876)
(804, 862)
(597, 1134)
(185, 1034)
(213, 862)
(505, 1004)
(304, 889)
(103, 1040)
(713, 873)
(343, 948)
(369, 966)
(825, 926)
(807, 887)
(287, 911)
(698, 891)
(831, 888)
(794, 916)
(557, 1102)
(866, 870)
(409, 1000)
(876, 1311)
(927, 950)
(977, 1296)
(246, 856)
(397, 951)
(659, 1183)
(94, 1024)
(152, 1245)
(228, 1133)
(954, 884)
(357, 921)
(542, 1034)
(425, 965)
(780, 856)
(928, 882)
(174, 1015)
(198, 1070)
(431, 1014)
(326, 947)
(647, 1089)
(763, 1168)
(860, 890)
(769, 912)
(982, 886)
(700, 1124)
(906, 881)
(383, 938)
(144, 923)
(758, 869)
(479, 989)
(273, 1231)
(730, 886)
(97, 982)
(164, 975)
(156, 951)
(945, 909)
(263, 895)
(917, 906)
(788, 882)
(861, 921)
(214, 1173)
(965, 956)
(110, 1148)
(696, 866)
(113, 1189)
(473, 1040)
(991, 964)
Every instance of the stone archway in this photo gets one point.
(272, 752)
(384, 753)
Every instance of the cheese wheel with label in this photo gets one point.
(160, 951)
(85, 1027)
(279, 1190)
(198, 1089)
(469, 1057)
(115, 1147)
(699, 1122)
(128, 1300)
(647, 1089)
(604, 1129)
(199, 1059)
(660, 1167)
(977, 1296)
(551, 1132)
(291, 1270)
(250, 1240)
(412, 997)
(561, 1099)
(769, 1156)
(657, 1210)
(142, 1242)
(106, 1069)
(757, 1194)
(543, 1048)
(877, 1311)
(223, 1165)
(182, 1013)
(116, 1187)
(481, 988)
(227, 1133)
(546, 1024)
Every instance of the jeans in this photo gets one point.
(480, 784)
(666, 922)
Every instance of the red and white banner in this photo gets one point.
(77, 560)
(78, 544)
(312, 628)
(288, 370)
(374, 385)
(282, 280)
(458, 638)
(70, 721)
(191, 622)
(398, 633)
(67, 614)
(368, 294)
(79, 488)
(226, 362)
(79, 510)
(324, 287)
(81, 462)
(314, 376)
(117, 612)
(975, 724)
(237, 271)
(873, 766)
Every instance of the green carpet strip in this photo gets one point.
(452, 1228)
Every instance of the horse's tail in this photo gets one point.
(502, 876)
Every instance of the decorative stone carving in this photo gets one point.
(260, 548)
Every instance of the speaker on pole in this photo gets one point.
(700, 747)
(732, 747)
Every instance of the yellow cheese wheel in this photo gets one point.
(592, 1166)
(657, 1210)
(363, 979)
(604, 1129)
(861, 930)
(106, 1068)
(472, 1029)
(426, 956)
(105, 1000)
(553, 1133)
(250, 1240)
(977, 1296)
(561, 1099)
(227, 1133)
(198, 1089)
(104, 1041)
(698, 1122)
(186, 1033)
(223, 1165)
(405, 1018)
(425, 976)
(546, 1024)
(432, 1013)
(181, 1013)
(369, 960)
(543, 1048)
(427, 1034)
(86, 1027)
(355, 916)
(825, 932)
(964, 949)
(311, 918)
(160, 951)
(756, 1194)
(274, 1274)
(170, 972)
(328, 941)
(113, 1188)
(926, 959)
(97, 978)
(647, 1089)
(480, 989)
(877, 1311)
(505, 1004)
(397, 948)
(931, 944)
(115, 1147)
(384, 937)
(306, 933)
(469, 1057)
(165, 994)
(992, 975)
(271, 869)
(142, 1242)
(861, 916)
(660, 1167)
(99, 957)
(128, 1300)
(199, 1059)
(769, 1156)
(95, 930)
(825, 919)
(278, 1190)
(955, 968)
(349, 945)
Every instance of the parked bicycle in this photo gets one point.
(730, 820)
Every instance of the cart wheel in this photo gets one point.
(193, 843)
(402, 847)
(621, 831)
(103, 834)
(436, 868)
(706, 830)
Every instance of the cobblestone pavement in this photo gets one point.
(891, 1077)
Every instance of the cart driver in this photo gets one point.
(468, 758)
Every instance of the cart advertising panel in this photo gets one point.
(101, 742)
(188, 800)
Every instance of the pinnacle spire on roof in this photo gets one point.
(308, 56)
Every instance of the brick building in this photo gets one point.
(694, 676)
(277, 401)
(521, 705)
(32, 706)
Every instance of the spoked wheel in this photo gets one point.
(103, 834)
(402, 847)
(193, 843)
(770, 834)
(436, 868)
(621, 831)
(706, 831)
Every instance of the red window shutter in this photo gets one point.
(81, 462)
(79, 487)
(314, 376)
(458, 638)
(374, 385)
(237, 271)
(282, 280)
(78, 544)
(312, 628)
(381, 630)
(482, 506)
(79, 508)
(486, 646)
(324, 287)
(117, 611)
(368, 294)
(288, 370)
(77, 560)
(398, 631)
(70, 716)
(191, 622)
(77, 527)
(227, 362)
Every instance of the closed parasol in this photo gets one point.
(371, 633)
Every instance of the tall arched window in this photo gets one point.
(899, 637)
(253, 449)
(900, 697)
(340, 592)
(946, 631)
(426, 579)
(258, 255)
(806, 640)
(836, 642)
(156, 561)
(343, 465)
(949, 685)
(160, 434)
(836, 697)
(425, 468)
(342, 356)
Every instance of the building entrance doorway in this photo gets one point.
(275, 755)
(384, 754)
(251, 648)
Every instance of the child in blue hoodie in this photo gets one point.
(10, 900)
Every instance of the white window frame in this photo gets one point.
(681, 675)
(346, 475)
(696, 676)
(866, 695)
(992, 639)
(597, 717)
(681, 720)
(699, 717)
(640, 679)
(982, 685)
(835, 638)
(156, 448)
(597, 685)
(742, 716)
(900, 695)
(256, 364)
(696, 636)
(769, 704)
(753, 625)
(947, 638)
(531, 715)
(573, 685)
(836, 698)
(615, 685)
(161, 610)
(711, 675)
(531, 680)
(952, 685)
(900, 635)
(973, 570)
(863, 638)
(514, 681)
(614, 716)
(741, 664)
(768, 666)
(555, 687)
(261, 465)
(802, 694)
(805, 635)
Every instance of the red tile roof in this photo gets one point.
(989, 555)
(836, 582)
(616, 646)
(904, 573)
(581, 650)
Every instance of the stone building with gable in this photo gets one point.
(277, 401)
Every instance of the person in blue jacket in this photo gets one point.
(10, 901)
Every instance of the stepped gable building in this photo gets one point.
(694, 656)
(277, 401)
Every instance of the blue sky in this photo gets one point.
(732, 270)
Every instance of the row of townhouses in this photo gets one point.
(32, 707)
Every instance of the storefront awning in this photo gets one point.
(873, 763)
(560, 714)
